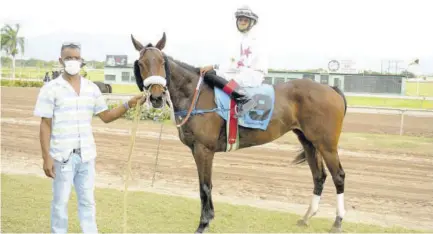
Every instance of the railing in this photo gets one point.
(390, 96)
(397, 111)
(351, 109)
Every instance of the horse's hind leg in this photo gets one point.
(333, 163)
(317, 170)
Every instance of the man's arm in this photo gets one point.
(44, 137)
(108, 116)
(45, 109)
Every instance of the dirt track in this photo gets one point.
(381, 188)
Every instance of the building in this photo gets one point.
(118, 71)
(348, 82)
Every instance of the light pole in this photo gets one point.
(414, 62)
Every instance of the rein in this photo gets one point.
(193, 103)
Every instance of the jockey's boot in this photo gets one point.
(243, 100)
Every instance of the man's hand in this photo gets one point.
(140, 98)
(49, 167)
(110, 115)
(205, 69)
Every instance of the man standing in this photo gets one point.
(66, 107)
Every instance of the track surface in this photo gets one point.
(382, 188)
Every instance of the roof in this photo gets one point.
(334, 73)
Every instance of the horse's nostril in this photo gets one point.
(152, 98)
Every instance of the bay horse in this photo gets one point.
(313, 111)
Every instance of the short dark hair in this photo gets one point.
(72, 45)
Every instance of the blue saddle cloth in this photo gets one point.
(257, 118)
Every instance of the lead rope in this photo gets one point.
(128, 173)
(167, 99)
(131, 147)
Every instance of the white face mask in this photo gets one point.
(72, 67)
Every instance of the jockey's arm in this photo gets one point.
(259, 60)
(256, 68)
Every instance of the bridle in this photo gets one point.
(165, 82)
(152, 80)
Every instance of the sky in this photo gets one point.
(300, 34)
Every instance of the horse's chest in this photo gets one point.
(186, 136)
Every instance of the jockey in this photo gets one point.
(246, 68)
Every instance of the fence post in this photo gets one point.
(402, 122)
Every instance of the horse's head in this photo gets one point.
(151, 70)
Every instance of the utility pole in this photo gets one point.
(381, 66)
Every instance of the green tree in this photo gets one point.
(11, 43)
(408, 74)
(6, 62)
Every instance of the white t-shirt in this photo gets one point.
(248, 63)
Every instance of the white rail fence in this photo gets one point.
(350, 109)
(392, 111)
(348, 94)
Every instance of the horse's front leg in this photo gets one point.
(204, 158)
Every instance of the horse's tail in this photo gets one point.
(110, 90)
(301, 158)
(342, 95)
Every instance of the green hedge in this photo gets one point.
(146, 114)
(21, 83)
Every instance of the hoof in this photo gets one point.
(335, 230)
(302, 223)
(202, 227)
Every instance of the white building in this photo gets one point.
(118, 71)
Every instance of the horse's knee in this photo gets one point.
(339, 181)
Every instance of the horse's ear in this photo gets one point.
(161, 43)
(138, 78)
(138, 46)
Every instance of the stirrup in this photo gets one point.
(243, 108)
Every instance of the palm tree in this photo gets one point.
(11, 43)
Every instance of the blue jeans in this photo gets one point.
(82, 176)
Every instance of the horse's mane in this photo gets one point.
(178, 62)
(187, 66)
(191, 70)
